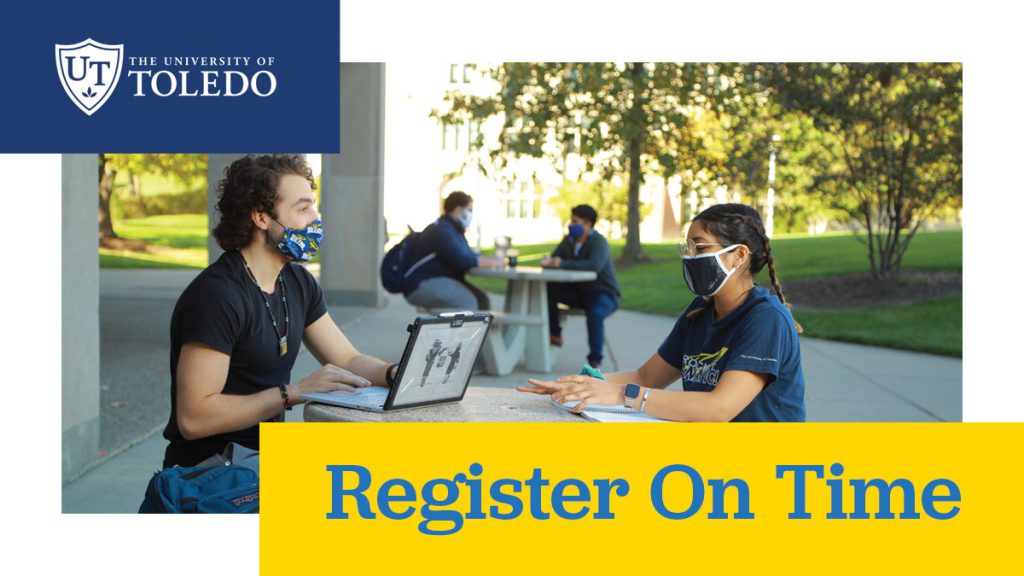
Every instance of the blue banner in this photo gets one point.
(181, 77)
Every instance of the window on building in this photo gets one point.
(451, 137)
(472, 134)
(461, 136)
(453, 74)
(447, 138)
(521, 201)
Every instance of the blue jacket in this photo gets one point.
(447, 238)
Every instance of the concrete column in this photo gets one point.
(214, 173)
(352, 200)
(80, 313)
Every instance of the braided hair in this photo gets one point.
(741, 224)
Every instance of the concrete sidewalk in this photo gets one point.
(845, 382)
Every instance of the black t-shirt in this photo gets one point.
(222, 308)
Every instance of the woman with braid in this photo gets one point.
(735, 346)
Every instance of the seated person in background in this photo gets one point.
(237, 328)
(440, 281)
(584, 249)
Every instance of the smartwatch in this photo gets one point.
(632, 393)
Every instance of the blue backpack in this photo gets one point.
(396, 266)
(217, 485)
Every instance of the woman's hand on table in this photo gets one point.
(584, 389)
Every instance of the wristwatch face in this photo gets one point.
(632, 390)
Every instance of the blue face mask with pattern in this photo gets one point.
(301, 244)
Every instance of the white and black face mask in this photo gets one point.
(705, 274)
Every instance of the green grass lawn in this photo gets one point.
(179, 241)
(934, 326)
(173, 231)
(658, 288)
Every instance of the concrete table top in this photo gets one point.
(536, 274)
(480, 404)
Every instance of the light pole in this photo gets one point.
(769, 220)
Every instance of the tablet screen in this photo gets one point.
(441, 362)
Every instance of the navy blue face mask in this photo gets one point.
(575, 231)
(705, 274)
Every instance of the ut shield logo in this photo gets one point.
(89, 72)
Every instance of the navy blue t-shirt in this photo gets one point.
(759, 336)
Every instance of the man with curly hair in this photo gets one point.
(237, 328)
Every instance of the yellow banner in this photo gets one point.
(617, 498)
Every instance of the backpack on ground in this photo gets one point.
(226, 483)
(397, 265)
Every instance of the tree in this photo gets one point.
(746, 137)
(610, 200)
(621, 119)
(107, 174)
(186, 168)
(892, 152)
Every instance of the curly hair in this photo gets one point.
(250, 183)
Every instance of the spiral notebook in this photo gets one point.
(599, 413)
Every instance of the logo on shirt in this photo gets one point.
(701, 368)
(248, 498)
